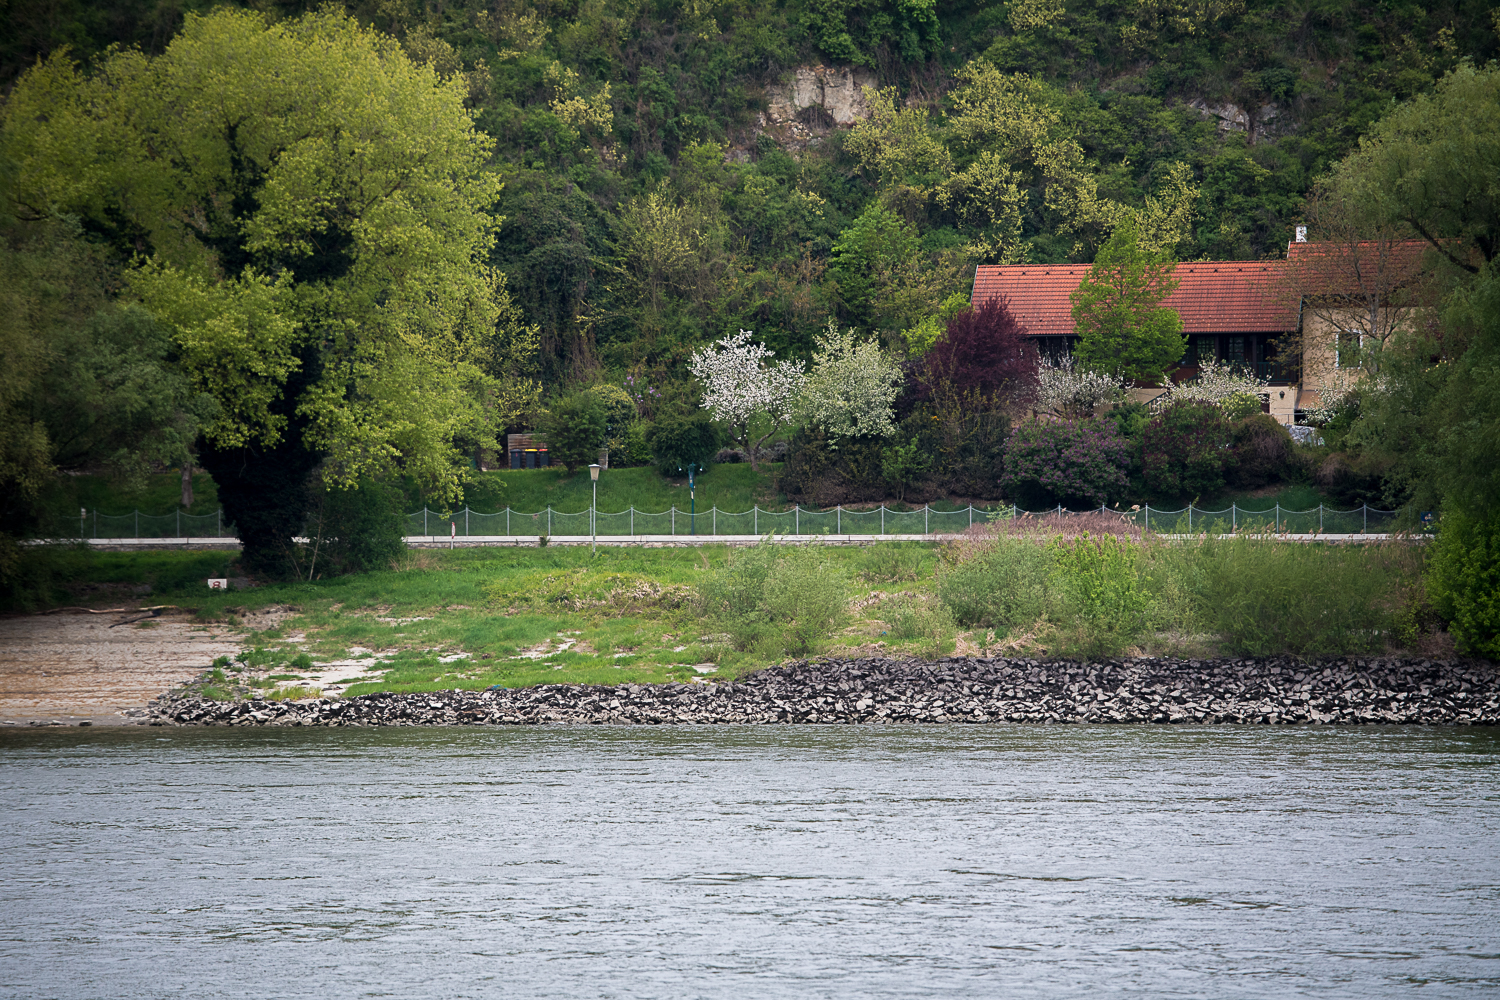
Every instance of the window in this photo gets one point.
(1234, 350)
(1346, 355)
(1204, 349)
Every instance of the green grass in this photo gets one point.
(729, 487)
(494, 603)
(161, 494)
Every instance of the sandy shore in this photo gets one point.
(72, 667)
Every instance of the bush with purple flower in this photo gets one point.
(1078, 464)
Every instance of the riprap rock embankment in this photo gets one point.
(1149, 690)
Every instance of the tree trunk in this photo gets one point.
(187, 482)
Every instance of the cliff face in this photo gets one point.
(838, 90)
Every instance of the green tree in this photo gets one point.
(1122, 327)
(575, 428)
(1431, 165)
(310, 212)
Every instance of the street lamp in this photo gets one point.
(693, 498)
(594, 510)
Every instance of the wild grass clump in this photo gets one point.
(1106, 596)
(893, 562)
(1262, 597)
(915, 619)
(775, 599)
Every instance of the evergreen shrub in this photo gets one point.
(574, 427)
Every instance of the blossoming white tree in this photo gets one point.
(851, 387)
(1069, 391)
(1216, 383)
(741, 383)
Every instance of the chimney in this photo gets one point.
(1301, 234)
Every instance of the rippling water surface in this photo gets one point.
(750, 862)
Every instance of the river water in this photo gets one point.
(794, 862)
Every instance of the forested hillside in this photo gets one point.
(652, 200)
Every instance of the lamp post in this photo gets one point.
(693, 499)
(594, 510)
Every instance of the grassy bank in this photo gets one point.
(513, 617)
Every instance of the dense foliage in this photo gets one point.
(1184, 451)
(1076, 464)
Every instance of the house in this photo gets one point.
(1295, 322)
(1234, 311)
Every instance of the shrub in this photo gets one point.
(634, 448)
(1074, 464)
(1130, 419)
(1240, 405)
(1265, 598)
(574, 427)
(1183, 453)
(1103, 605)
(806, 598)
(1263, 452)
(1006, 585)
(1465, 580)
(774, 598)
(678, 440)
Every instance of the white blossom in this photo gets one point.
(740, 383)
(851, 387)
(1068, 391)
(1216, 383)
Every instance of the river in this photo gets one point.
(750, 862)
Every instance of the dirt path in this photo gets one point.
(70, 667)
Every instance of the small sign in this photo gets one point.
(217, 584)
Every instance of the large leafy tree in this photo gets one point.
(1123, 329)
(306, 208)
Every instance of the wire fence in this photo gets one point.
(796, 520)
(882, 520)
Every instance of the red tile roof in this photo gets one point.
(1211, 296)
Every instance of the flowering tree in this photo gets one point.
(1216, 383)
(740, 383)
(1068, 391)
(851, 387)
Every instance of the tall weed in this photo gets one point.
(1262, 597)
(1104, 606)
(1007, 584)
(775, 598)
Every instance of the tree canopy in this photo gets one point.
(1123, 329)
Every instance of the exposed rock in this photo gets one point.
(1257, 123)
(838, 90)
(1274, 691)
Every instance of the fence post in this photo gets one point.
(882, 519)
(796, 519)
(1366, 529)
(1148, 517)
(1320, 519)
(971, 514)
(1190, 519)
(838, 520)
(716, 520)
(674, 520)
(926, 514)
(632, 520)
(424, 519)
(1234, 516)
(755, 518)
(549, 520)
(466, 520)
(1278, 519)
(138, 523)
(507, 522)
